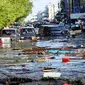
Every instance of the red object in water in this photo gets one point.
(84, 55)
(0, 43)
(65, 60)
(65, 84)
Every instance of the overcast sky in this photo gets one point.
(39, 5)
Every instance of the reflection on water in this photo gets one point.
(60, 41)
(57, 41)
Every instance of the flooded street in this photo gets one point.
(61, 55)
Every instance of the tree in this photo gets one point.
(12, 10)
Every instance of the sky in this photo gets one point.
(39, 5)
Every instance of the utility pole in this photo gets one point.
(79, 5)
(72, 7)
(69, 12)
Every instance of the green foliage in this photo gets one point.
(11, 10)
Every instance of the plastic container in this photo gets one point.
(6, 42)
(65, 60)
(52, 74)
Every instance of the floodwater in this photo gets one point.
(72, 70)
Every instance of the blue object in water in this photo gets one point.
(59, 51)
(52, 51)
(78, 46)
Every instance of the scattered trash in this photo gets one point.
(48, 69)
(84, 55)
(41, 60)
(52, 74)
(6, 42)
(33, 52)
(65, 60)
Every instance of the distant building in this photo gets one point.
(53, 9)
(42, 14)
(33, 18)
(66, 5)
(39, 15)
(76, 6)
